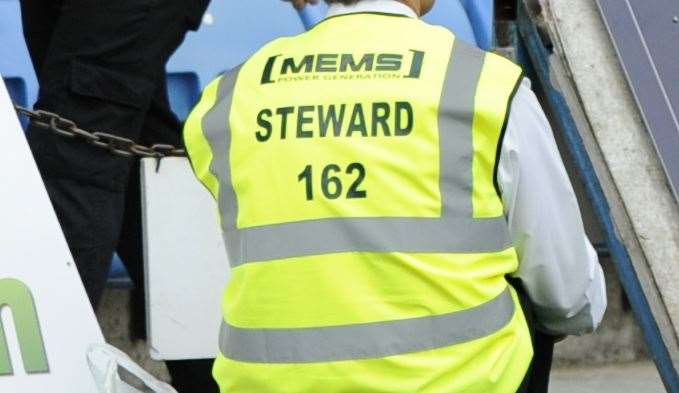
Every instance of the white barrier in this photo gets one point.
(46, 322)
(186, 263)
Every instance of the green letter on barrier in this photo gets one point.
(15, 295)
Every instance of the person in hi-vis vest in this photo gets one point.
(377, 180)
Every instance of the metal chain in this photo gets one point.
(117, 145)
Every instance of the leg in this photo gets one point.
(89, 217)
(192, 376)
(542, 363)
(39, 18)
(537, 377)
(100, 70)
(130, 250)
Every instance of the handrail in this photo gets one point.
(539, 61)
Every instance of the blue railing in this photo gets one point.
(535, 56)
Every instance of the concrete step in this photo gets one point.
(639, 377)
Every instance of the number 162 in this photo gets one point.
(331, 184)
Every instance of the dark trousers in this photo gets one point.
(537, 377)
(102, 63)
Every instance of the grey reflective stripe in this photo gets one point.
(456, 118)
(454, 232)
(447, 235)
(217, 131)
(366, 341)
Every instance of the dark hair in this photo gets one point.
(345, 2)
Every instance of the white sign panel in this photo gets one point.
(46, 322)
(186, 263)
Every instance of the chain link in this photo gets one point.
(117, 145)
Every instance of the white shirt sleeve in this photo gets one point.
(558, 266)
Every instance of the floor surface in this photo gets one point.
(623, 378)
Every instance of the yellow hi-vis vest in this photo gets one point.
(354, 168)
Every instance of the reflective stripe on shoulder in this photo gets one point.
(455, 121)
(217, 131)
(366, 341)
(197, 146)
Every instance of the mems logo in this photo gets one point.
(17, 297)
(343, 63)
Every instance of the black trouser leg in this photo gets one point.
(90, 219)
(192, 376)
(537, 377)
(39, 18)
(102, 64)
(542, 364)
(130, 250)
(87, 214)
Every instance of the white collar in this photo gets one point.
(382, 6)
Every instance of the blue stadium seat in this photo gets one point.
(118, 277)
(16, 87)
(481, 16)
(15, 64)
(184, 89)
(230, 33)
(452, 15)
